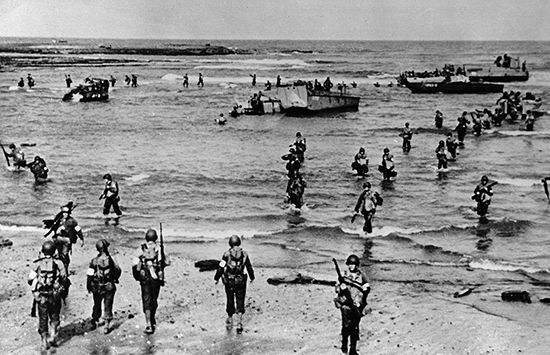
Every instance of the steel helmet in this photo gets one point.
(484, 178)
(234, 241)
(352, 259)
(107, 177)
(366, 184)
(102, 245)
(151, 235)
(48, 248)
(386, 150)
(12, 146)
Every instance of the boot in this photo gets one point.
(53, 335)
(45, 343)
(107, 328)
(148, 327)
(239, 317)
(229, 322)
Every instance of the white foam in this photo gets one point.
(16, 228)
(491, 265)
(518, 182)
(524, 133)
(172, 77)
(134, 179)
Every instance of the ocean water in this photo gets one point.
(206, 182)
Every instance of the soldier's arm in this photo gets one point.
(249, 268)
(359, 202)
(32, 277)
(61, 269)
(221, 267)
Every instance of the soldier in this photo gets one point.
(352, 290)
(110, 194)
(66, 235)
(482, 195)
(366, 205)
(148, 269)
(232, 272)
(47, 280)
(103, 274)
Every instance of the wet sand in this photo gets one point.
(412, 310)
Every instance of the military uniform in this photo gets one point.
(47, 279)
(352, 291)
(232, 272)
(148, 271)
(366, 205)
(111, 196)
(103, 275)
(66, 235)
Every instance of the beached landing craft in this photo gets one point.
(297, 99)
(93, 90)
(516, 72)
(451, 85)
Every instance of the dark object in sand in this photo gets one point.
(298, 279)
(207, 265)
(464, 292)
(545, 300)
(6, 243)
(516, 296)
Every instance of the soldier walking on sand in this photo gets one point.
(103, 274)
(148, 269)
(352, 290)
(47, 279)
(232, 272)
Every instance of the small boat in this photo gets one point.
(298, 99)
(92, 90)
(454, 86)
(514, 72)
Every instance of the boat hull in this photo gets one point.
(297, 100)
(454, 88)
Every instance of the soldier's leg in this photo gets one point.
(96, 311)
(43, 318)
(230, 305)
(116, 208)
(108, 315)
(54, 308)
(354, 337)
(107, 206)
(146, 303)
(155, 290)
(240, 295)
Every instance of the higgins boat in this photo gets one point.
(450, 85)
(298, 99)
(514, 71)
(92, 90)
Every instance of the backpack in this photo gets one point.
(150, 265)
(105, 270)
(235, 262)
(48, 277)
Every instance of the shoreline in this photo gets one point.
(412, 309)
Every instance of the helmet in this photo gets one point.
(102, 244)
(151, 235)
(107, 177)
(386, 150)
(221, 114)
(366, 184)
(484, 178)
(292, 150)
(298, 134)
(48, 248)
(361, 149)
(234, 241)
(352, 259)
(12, 146)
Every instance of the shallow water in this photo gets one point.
(175, 165)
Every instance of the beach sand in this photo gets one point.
(409, 314)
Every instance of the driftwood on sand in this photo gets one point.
(298, 279)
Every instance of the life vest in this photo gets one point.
(235, 262)
(47, 277)
(150, 264)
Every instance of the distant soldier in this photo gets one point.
(253, 79)
(39, 169)
(387, 166)
(68, 80)
(406, 134)
(232, 272)
(47, 279)
(185, 81)
(438, 119)
(17, 155)
(148, 269)
(30, 81)
(111, 196)
(201, 81)
(103, 274)
(482, 195)
(134, 81)
(21, 83)
(366, 205)
(352, 290)
(112, 79)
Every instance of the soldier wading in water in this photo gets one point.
(232, 272)
(352, 290)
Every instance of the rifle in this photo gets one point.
(352, 220)
(545, 183)
(342, 279)
(5, 154)
(54, 224)
(162, 258)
